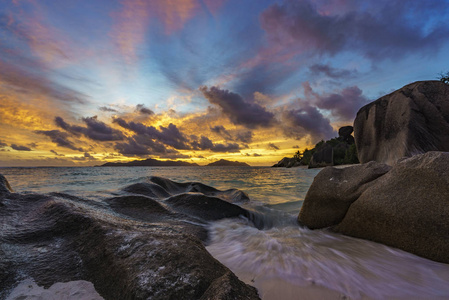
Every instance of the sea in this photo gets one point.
(282, 260)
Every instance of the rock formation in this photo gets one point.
(409, 121)
(145, 242)
(336, 151)
(405, 206)
(288, 162)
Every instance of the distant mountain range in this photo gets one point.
(150, 162)
(227, 163)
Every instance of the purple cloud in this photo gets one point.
(60, 138)
(307, 120)
(206, 144)
(95, 130)
(378, 30)
(238, 110)
(343, 104)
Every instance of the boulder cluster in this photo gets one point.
(399, 195)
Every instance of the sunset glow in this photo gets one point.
(88, 82)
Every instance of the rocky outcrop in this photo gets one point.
(145, 242)
(406, 206)
(288, 162)
(345, 134)
(334, 190)
(409, 121)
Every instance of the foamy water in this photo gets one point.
(282, 260)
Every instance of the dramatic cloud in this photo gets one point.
(20, 148)
(237, 109)
(95, 130)
(378, 29)
(2, 145)
(206, 144)
(132, 148)
(60, 138)
(219, 129)
(168, 135)
(343, 104)
(242, 136)
(307, 120)
(245, 136)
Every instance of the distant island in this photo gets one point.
(150, 162)
(227, 163)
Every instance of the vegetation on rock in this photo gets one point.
(344, 152)
(444, 77)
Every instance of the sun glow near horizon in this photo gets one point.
(197, 80)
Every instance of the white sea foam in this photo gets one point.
(73, 290)
(295, 258)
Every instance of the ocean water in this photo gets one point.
(283, 260)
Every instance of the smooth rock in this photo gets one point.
(409, 121)
(130, 246)
(345, 131)
(334, 190)
(406, 207)
(205, 207)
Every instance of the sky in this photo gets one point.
(88, 82)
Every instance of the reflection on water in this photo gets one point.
(263, 184)
(283, 261)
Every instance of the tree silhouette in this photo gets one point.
(444, 78)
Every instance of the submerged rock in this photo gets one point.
(409, 121)
(129, 246)
(406, 206)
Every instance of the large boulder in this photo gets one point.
(406, 207)
(409, 121)
(334, 190)
(137, 244)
